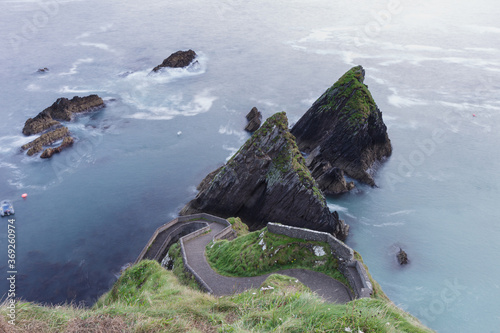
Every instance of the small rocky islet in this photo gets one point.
(254, 118)
(177, 59)
(343, 134)
(269, 179)
(48, 123)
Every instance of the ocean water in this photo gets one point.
(432, 67)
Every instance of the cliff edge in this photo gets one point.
(343, 134)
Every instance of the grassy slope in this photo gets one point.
(262, 252)
(148, 298)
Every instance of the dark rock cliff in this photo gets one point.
(343, 133)
(267, 180)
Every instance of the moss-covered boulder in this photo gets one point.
(343, 133)
(267, 181)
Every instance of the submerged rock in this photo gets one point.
(254, 118)
(177, 59)
(62, 109)
(402, 257)
(267, 180)
(343, 134)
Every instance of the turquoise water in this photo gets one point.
(432, 68)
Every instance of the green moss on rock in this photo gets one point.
(354, 94)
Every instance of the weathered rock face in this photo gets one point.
(177, 59)
(62, 109)
(267, 180)
(254, 118)
(40, 123)
(343, 132)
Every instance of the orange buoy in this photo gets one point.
(24, 196)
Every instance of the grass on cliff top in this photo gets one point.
(238, 226)
(350, 87)
(261, 252)
(148, 298)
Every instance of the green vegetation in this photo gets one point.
(178, 267)
(148, 299)
(351, 90)
(238, 226)
(262, 252)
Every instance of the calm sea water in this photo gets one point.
(432, 67)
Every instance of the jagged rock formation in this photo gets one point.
(47, 120)
(177, 59)
(343, 132)
(254, 118)
(62, 109)
(267, 180)
(67, 142)
(45, 139)
(402, 257)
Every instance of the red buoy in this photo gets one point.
(24, 196)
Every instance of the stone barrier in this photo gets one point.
(352, 269)
(180, 226)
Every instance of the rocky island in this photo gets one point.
(343, 134)
(48, 123)
(254, 118)
(267, 180)
(177, 60)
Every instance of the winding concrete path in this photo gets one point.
(330, 289)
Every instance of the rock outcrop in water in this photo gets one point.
(177, 59)
(62, 109)
(45, 139)
(267, 180)
(402, 257)
(343, 133)
(254, 118)
(67, 142)
(48, 120)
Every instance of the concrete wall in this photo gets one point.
(181, 226)
(338, 247)
(188, 227)
(352, 269)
